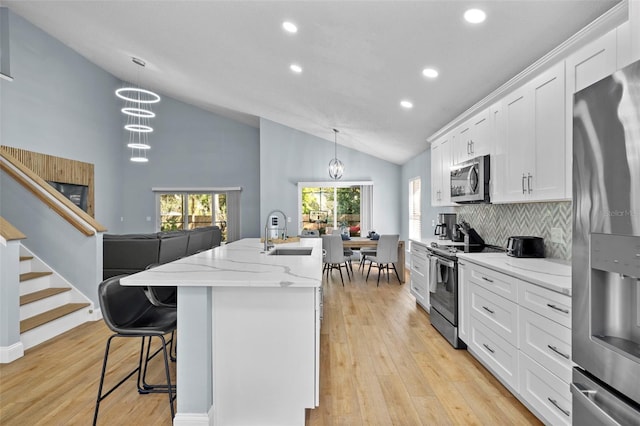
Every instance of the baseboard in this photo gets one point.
(11, 353)
(95, 314)
(194, 419)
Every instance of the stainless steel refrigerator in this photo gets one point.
(606, 251)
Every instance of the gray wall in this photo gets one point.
(191, 147)
(61, 104)
(419, 166)
(288, 156)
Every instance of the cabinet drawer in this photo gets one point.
(496, 353)
(548, 303)
(549, 395)
(496, 282)
(419, 250)
(419, 265)
(496, 312)
(547, 342)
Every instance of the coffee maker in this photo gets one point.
(446, 225)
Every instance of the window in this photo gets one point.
(326, 206)
(190, 209)
(415, 221)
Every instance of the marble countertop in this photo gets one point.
(242, 263)
(552, 274)
(427, 242)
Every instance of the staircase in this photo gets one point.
(49, 305)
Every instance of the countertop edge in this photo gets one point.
(470, 257)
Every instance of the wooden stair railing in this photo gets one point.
(79, 219)
(10, 232)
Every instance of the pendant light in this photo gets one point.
(138, 111)
(336, 168)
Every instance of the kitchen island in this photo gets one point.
(248, 332)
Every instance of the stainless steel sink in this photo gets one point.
(291, 251)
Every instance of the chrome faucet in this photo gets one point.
(268, 245)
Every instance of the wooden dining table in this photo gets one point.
(359, 242)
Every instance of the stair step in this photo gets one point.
(42, 294)
(45, 317)
(25, 258)
(33, 275)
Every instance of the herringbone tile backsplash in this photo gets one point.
(496, 222)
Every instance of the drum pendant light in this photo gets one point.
(336, 168)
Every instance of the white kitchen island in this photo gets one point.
(248, 333)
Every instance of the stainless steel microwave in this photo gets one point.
(470, 181)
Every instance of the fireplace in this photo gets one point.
(77, 194)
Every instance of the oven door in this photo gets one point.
(443, 288)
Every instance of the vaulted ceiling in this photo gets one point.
(359, 59)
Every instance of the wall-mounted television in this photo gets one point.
(77, 194)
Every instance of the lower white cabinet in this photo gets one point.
(500, 355)
(521, 332)
(545, 392)
(419, 286)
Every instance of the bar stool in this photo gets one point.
(128, 313)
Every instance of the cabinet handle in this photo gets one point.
(555, 403)
(488, 310)
(523, 178)
(487, 279)
(566, 311)
(529, 182)
(468, 151)
(472, 143)
(488, 348)
(553, 348)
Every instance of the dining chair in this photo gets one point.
(364, 253)
(386, 255)
(334, 255)
(127, 311)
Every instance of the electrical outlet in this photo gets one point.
(556, 235)
(433, 222)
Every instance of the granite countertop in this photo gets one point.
(242, 263)
(553, 274)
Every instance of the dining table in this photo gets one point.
(360, 242)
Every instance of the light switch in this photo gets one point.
(148, 218)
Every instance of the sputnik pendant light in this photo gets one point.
(138, 111)
(336, 168)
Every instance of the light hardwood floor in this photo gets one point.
(381, 364)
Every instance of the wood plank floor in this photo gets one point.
(381, 364)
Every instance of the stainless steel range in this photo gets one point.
(443, 287)
(606, 251)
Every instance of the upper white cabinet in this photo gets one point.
(441, 161)
(530, 154)
(593, 62)
(473, 138)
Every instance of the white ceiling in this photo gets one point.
(359, 58)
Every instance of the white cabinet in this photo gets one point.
(441, 162)
(419, 286)
(532, 148)
(521, 332)
(473, 138)
(593, 62)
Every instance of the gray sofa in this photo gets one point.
(131, 253)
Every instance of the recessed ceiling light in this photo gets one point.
(296, 68)
(475, 16)
(290, 27)
(430, 72)
(406, 104)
